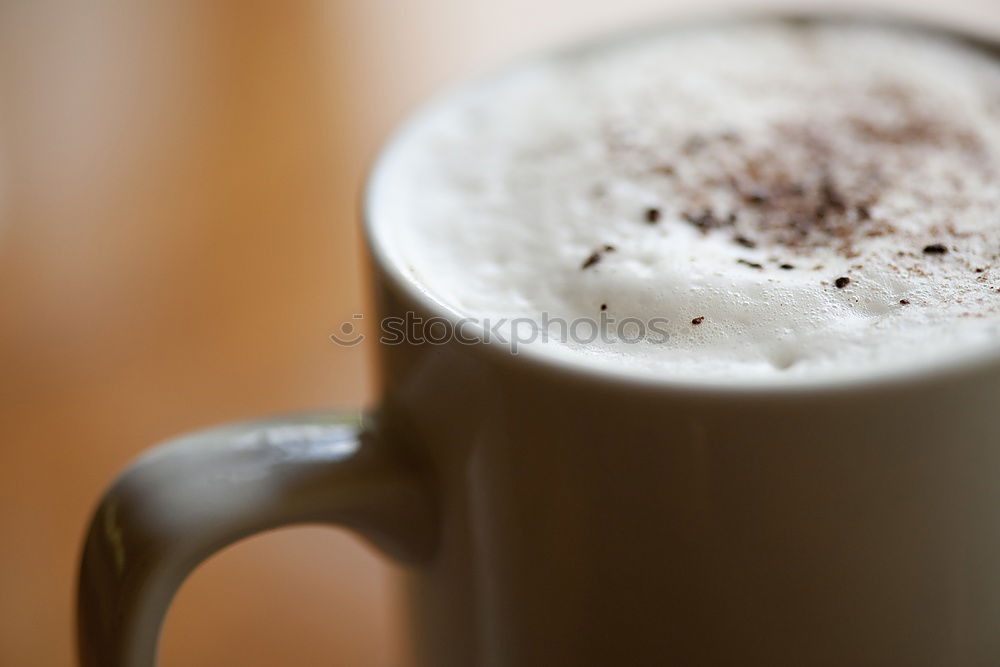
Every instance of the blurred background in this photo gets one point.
(178, 237)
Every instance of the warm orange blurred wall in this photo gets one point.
(178, 237)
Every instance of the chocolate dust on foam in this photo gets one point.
(807, 185)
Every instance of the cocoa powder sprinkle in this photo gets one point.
(704, 221)
(842, 282)
(596, 256)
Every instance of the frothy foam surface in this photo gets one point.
(776, 198)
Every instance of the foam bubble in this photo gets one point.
(736, 173)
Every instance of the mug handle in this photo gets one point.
(189, 498)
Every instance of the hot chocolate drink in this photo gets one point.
(767, 198)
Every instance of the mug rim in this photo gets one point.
(953, 366)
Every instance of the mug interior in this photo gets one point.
(391, 264)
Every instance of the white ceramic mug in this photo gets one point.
(554, 515)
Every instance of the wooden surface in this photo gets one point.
(177, 239)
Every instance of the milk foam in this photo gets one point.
(735, 173)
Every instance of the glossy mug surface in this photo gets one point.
(549, 513)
